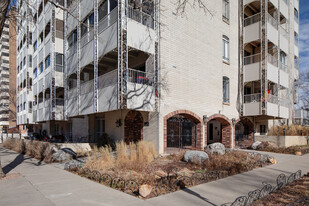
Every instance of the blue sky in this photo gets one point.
(304, 35)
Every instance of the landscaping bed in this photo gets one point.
(293, 194)
(296, 150)
(137, 170)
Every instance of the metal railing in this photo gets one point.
(86, 87)
(249, 98)
(141, 17)
(139, 77)
(59, 102)
(284, 102)
(252, 19)
(296, 40)
(252, 59)
(272, 99)
(284, 32)
(108, 20)
(272, 21)
(273, 60)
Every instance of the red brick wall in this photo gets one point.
(133, 126)
(191, 116)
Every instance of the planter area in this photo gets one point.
(133, 170)
(271, 147)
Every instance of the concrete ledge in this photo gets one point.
(284, 141)
(76, 147)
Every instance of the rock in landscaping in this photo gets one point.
(160, 173)
(272, 161)
(145, 190)
(256, 144)
(298, 153)
(63, 155)
(216, 148)
(73, 164)
(193, 156)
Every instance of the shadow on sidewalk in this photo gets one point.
(198, 195)
(17, 161)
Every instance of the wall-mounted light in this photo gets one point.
(118, 123)
(205, 119)
(233, 121)
(146, 124)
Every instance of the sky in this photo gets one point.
(304, 35)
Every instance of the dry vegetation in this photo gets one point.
(298, 150)
(139, 162)
(36, 149)
(292, 130)
(295, 193)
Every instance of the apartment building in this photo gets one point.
(40, 68)
(271, 61)
(8, 74)
(143, 70)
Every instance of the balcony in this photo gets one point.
(252, 28)
(276, 107)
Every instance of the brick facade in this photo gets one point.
(246, 142)
(226, 129)
(133, 126)
(192, 117)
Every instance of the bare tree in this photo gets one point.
(303, 88)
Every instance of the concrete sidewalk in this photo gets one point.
(42, 184)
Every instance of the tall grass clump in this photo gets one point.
(134, 156)
(292, 130)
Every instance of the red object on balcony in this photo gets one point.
(140, 77)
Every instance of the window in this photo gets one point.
(100, 127)
(30, 60)
(226, 10)
(296, 14)
(35, 72)
(41, 38)
(47, 62)
(47, 29)
(40, 9)
(35, 46)
(17, 69)
(72, 39)
(34, 18)
(91, 20)
(103, 10)
(226, 52)
(84, 27)
(41, 67)
(226, 90)
(59, 62)
(24, 61)
(262, 129)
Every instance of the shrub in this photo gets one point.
(105, 140)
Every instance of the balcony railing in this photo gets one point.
(272, 98)
(284, 33)
(108, 20)
(59, 102)
(283, 66)
(286, 1)
(139, 77)
(273, 60)
(272, 21)
(250, 98)
(252, 19)
(141, 17)
(284, 102)
(252, 59)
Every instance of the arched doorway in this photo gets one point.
(133, 127)
(244, 130)
(219, 129)
(182, 131)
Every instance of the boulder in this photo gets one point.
(63, 155)
(272, 161)
(216, 148)
(256, 144)
(193, 156)
(145, 190)
(73, 164)
(298, 153)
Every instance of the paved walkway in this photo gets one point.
(42, 184)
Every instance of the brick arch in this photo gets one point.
(248, 141)
(226, 129)
(191, 116)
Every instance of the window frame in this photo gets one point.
(226, 49)
(226, 10)
(226, 90)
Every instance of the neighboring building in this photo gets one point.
(8, 75)
(40, 68)
(182, 83)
